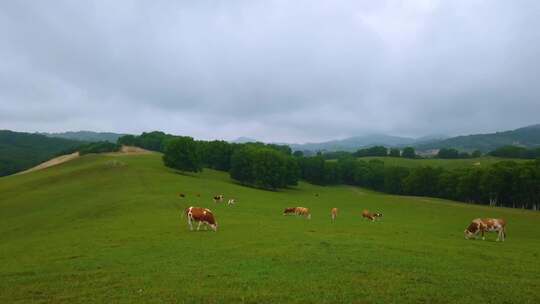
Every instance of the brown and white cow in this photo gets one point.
(289, 211)
(302, 211)
(218, 198)
(334, 213)
(201, 215)
(371, 215)
(486, 225)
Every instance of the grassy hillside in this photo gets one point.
(20, 151)
(107, 229)
(444, 163)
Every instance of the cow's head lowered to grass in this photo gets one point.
(202, 216)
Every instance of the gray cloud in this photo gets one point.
(273, 70)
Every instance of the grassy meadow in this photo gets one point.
(482, 162)
(107, 229)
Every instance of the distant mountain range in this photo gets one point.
(526, 137)
(243, 140)
(356, 142)
(87, 136)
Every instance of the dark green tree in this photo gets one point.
(394, 152)
(372, 151)
(182, 153)
(448, 153)
(393, 179)
(408, 152)
(242, 164)
(298, 153)
(476, 154)
(422, 181)
(217, 154)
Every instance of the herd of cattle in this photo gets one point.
(205, 216)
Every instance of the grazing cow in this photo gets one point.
(289, 211)
(302, 211)
(182, 195)
(201, 215)
(334, 213)
(231, 202)
(218, 198)
(371, 215)
(486, 225)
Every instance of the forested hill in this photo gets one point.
(87, 136)
(20, 151)
(526, 137)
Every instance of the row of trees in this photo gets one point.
(506, 183)
(98, 147)
(444, 153)
(267, 166)
(264, 167)
(450, 153)
(516, 152)
(155, 141)
(407, 152)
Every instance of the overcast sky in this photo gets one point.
(286, 71)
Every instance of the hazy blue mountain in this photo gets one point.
(356, 142)
(242, 140)
(87, 136)
(526, 137)
(430, 138)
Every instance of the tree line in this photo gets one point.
(270, 166)
(516, 152)
(443, 153)
(267, 166)
(506, 183)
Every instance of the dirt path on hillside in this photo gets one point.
(131, 150)
(124, 150)
(52, 162)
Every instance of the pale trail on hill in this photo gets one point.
(125, 150)
(52, 162)
(131, 150)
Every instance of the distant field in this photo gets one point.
(107, 229)
(445, 163)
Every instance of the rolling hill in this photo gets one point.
(20, 151)
(107, 228)
(526, 137)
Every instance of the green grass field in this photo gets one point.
(481, 162)
(107, 229)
